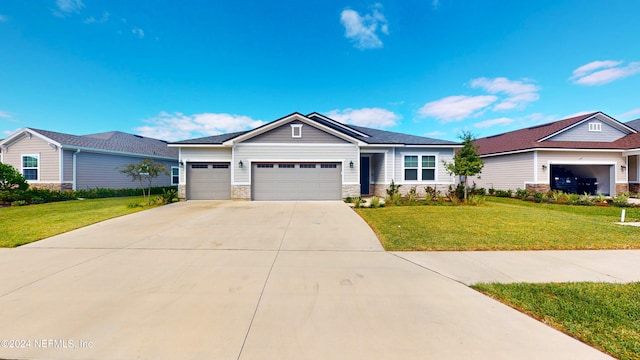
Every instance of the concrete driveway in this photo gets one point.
(249, 280)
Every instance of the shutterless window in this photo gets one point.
(296, 130)
(428, 167)
(30, 167)
(199, 166)
(220, 166)
(286, 166)
(594, 126)
(307, 166)
(265, 166)
(175, 175)
(328, 166)
(411, 167)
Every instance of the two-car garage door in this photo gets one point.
(296, 181)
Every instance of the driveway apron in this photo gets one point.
(249, 280)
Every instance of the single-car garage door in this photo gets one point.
(296, 181)
(208, 181)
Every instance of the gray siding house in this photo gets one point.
(309, 157)
(53, 160)
(591, 153)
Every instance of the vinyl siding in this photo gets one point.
(103, 171)
(67, 164)
(248, 153)
(442, 177)
(310, 134)
(582, 133)
(49, 157)
(581, 158)
(203, 154)
(506, 172)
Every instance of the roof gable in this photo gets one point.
(537, 136)
(114, 142)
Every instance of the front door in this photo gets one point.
(364, 176)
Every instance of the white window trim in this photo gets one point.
(595, 126)
(22, 168)
(419, 168)
(296, 130)
(172, 176)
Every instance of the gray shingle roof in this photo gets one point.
(634, 124)
(113, 141)
(375, 136)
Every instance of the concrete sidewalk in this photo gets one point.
(471, 267)
(249, 280)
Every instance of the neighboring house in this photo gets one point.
(591, 153)
(310, 157)
(59, 161)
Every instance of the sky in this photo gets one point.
(177, 70)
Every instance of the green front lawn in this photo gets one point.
(25, 224)
(605, 316)
(503, 224)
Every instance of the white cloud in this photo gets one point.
(137, 32)
(630, 114)
(489, 123)
(519, 93)
(103, 19)
(67, 7)
(4, 114)
(579, 113)
(369, 117)
(178, 126)
(436, 133)
(362, 30)
(540, 118)
(603, 72)
(456, 108)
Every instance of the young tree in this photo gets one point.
(11, 179)
(466, 161)
(144, 172)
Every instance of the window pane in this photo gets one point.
(428, 174)
(30, 174)
(429, 161)
(411, 161)
(411, 174)
(174, 171)
(29, 161)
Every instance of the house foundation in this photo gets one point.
(538, 188)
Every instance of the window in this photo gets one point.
(419, 168)
(30, 168)
(199, 166)
(328, 166)
(411, 167)
(307, 166)
(219, 166)
(296, 130)
(286, 166)
(428, 167)
(175, 175)
(265, 166)
(594, 126)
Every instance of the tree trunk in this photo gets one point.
(465, 189)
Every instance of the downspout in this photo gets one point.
(75, 168)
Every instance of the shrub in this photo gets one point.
(503, 193)
(430, 192)
(413, 194)
(393, 189)
(11, 179)
(538, 197)
(522, 193)
(375, 202)
(620, 200)
(492, 191)
(475, 200)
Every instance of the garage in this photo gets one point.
(296, 181)
(208, 181)
(580, 179)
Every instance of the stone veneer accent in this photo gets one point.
(52, 186)
(380, 190)
(182, 191)
(622, 188)
(543, 188)
(241, 192)
(350, 190)
(634, 188)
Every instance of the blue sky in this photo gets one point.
(184, 69)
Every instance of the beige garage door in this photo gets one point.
(208, 181)
(296, 181)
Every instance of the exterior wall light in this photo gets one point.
(623, 167)
(351, 164)
(544, 167)
(240, 164)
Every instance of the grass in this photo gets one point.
(502, 224)
(24, 224)
(605, 316)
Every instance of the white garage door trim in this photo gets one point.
(208, 181)
(296, 181)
